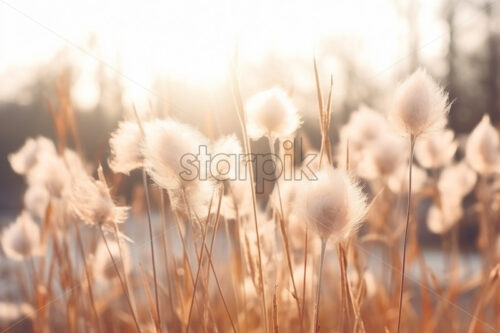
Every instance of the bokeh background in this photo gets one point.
(173, 58)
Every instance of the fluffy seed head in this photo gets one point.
(36, 199)
(457, 180)
(436, 149)
(382, 157)
(226, 154)
(365, 125)
(103, 266)
(420, 105)
(398, 181)
(271, 113)
(51, 172)
(440, 220)
(27, 156)
(125, 144)
(21, 239)
(334, 205)
(482, 149)
(92, 203)
(166, 143)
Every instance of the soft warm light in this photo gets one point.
(192, 40)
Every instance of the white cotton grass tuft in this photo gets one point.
(27, 156)
(382, 157)
(126, 148)
(482, 150)
(365, 125)
(226, 154)
(103, 265)
(52, 173)
(166, 142)
(10, 312)
(36, 200)
(455, 182)
(237, 203)
(21, 239)
(420, 105)
(91, 202)
(441, 219)
(271, 113)
(194, 199)
(458, 179)
(398, 181)
(436, 149)
(333, 205)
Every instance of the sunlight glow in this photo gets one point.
(191, 40)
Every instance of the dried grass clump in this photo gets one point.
(325, 247)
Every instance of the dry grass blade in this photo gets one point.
(241, 115)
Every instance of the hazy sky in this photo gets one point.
(192, 39)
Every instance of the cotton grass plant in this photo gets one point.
(216, 255)
(420, 106)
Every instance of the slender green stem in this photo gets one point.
(412, 146)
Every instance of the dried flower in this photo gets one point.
(398, 181)
(166, 143)
(457, 180)
(92, 203)
(51, 172)
(125, 144)
(226, 154)
(382, 157)
(333, 205)
(271, 113)
(482, 150)
(27, 156)
(365, 125)
(436, 149)
(440, 220)
(36, 199)
(420, 105)
(103, 266)
(21, 239)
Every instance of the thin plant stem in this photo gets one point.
(241, 116)
(212, 242)
(318, 291)
(304, 278)
(196, 279)
(124, 287)
(148, 213)
(282, 224)
(164, 247)
(87, 275)
(412, 146)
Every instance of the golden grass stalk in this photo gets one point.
(148, 213)
(150, 227)
(281, 217)
(412, 146)
(122, 283)
(318, 290)
(241, 116)
(485, 295)
(87, 276)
